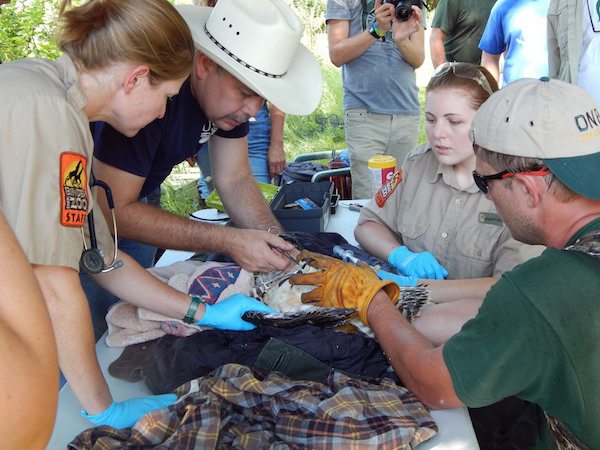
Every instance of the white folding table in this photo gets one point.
(455, 429)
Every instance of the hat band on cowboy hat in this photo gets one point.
(258, 42)
(241, 61)
(546, 119)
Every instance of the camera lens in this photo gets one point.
(403, 12)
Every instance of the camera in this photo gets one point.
(404, 7)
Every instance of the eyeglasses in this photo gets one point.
(482, 180)
(464, 70)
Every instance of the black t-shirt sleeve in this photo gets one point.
(134, 155)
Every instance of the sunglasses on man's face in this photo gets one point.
(482, 180)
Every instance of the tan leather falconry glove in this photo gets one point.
(341, 284)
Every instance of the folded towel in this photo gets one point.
(211, 281)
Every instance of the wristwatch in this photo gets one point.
(374, 31)
(189, 317)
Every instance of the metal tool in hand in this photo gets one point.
(289, 256)
(289, 238)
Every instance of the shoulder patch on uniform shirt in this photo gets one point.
(386, 190)
(73, 187)
(490, 218)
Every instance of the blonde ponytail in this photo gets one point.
(151, 32)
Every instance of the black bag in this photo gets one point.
(300, 171)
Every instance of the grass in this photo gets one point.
(179, 198)
(322, 130)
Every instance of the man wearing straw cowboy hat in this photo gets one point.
(536, 334)
(246, 52)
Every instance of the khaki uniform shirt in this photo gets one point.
(45, 161)
(565, 35)
(429, 212)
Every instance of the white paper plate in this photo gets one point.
(209, 215)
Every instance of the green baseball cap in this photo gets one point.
(547, 119)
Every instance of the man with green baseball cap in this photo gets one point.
(536, 334)
(549, 120)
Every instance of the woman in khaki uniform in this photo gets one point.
(431, 221)
(122, 60)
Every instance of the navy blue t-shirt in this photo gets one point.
(163, 143)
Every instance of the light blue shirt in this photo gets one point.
(518, 28)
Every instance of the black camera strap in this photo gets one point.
(365, 14)
(364, 6)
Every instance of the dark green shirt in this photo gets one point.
(537, 336)
(463, 21)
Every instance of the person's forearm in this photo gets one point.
(70, 315)
(251, 249)
(492, 64)
(137, 286)
(245, 203)
(277, 122)
(413, 49)
(439, 322)
(376, 238)
(153, 226)
(417, 362)
(28, 356)
(451, 290)
(351, 48)
(438, 52)
(276, 152)
(29, 400)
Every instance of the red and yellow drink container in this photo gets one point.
(381, 169)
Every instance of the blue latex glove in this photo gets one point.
(126, 414)
(420, 265)
(400, 280)
(227, 314)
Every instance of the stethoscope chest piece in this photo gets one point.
(91, 261)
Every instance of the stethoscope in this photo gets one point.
(92, 259)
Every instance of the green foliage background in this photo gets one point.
(312, 14)
(27, 29)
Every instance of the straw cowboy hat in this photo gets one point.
(258, 42)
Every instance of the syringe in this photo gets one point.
(345, 255)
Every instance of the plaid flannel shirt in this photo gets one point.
(234, 408)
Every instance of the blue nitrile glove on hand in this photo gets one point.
(227, 314)
(400, 280)
(125, 414)
(420, 265)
